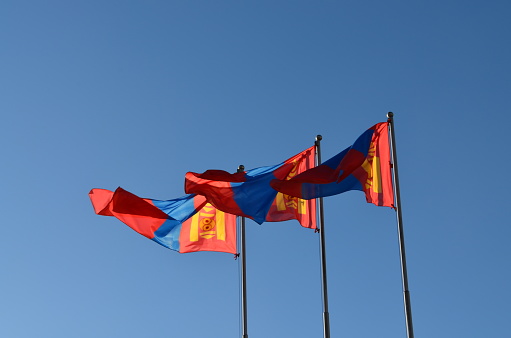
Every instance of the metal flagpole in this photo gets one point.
(241, 168)
(326, 316)
(404, 273)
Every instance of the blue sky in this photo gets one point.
(101, 94)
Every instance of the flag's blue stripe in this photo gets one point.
(255, 196)
(168, 234)
(179, 210)
(313, 190)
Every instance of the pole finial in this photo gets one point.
(319, 137)
(241, 168)
(390, 114)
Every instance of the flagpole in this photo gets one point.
(241, 168)
(404, 273)
(326, 315)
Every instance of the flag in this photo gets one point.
(249, 193)
(184, 224)
(363, 166)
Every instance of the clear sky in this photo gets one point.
(101, 94)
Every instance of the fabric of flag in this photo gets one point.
(169, 223)
(285, 207)
(209, 230)
(249, 193)
(364, 166)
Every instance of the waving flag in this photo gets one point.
(363, 166)
(249, 193)
(185, 224)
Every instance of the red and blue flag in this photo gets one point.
(364, 166)
(185, 224)
(249, 193)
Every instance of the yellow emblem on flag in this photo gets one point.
(285, 201)
(372, 166)
(208, 223)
